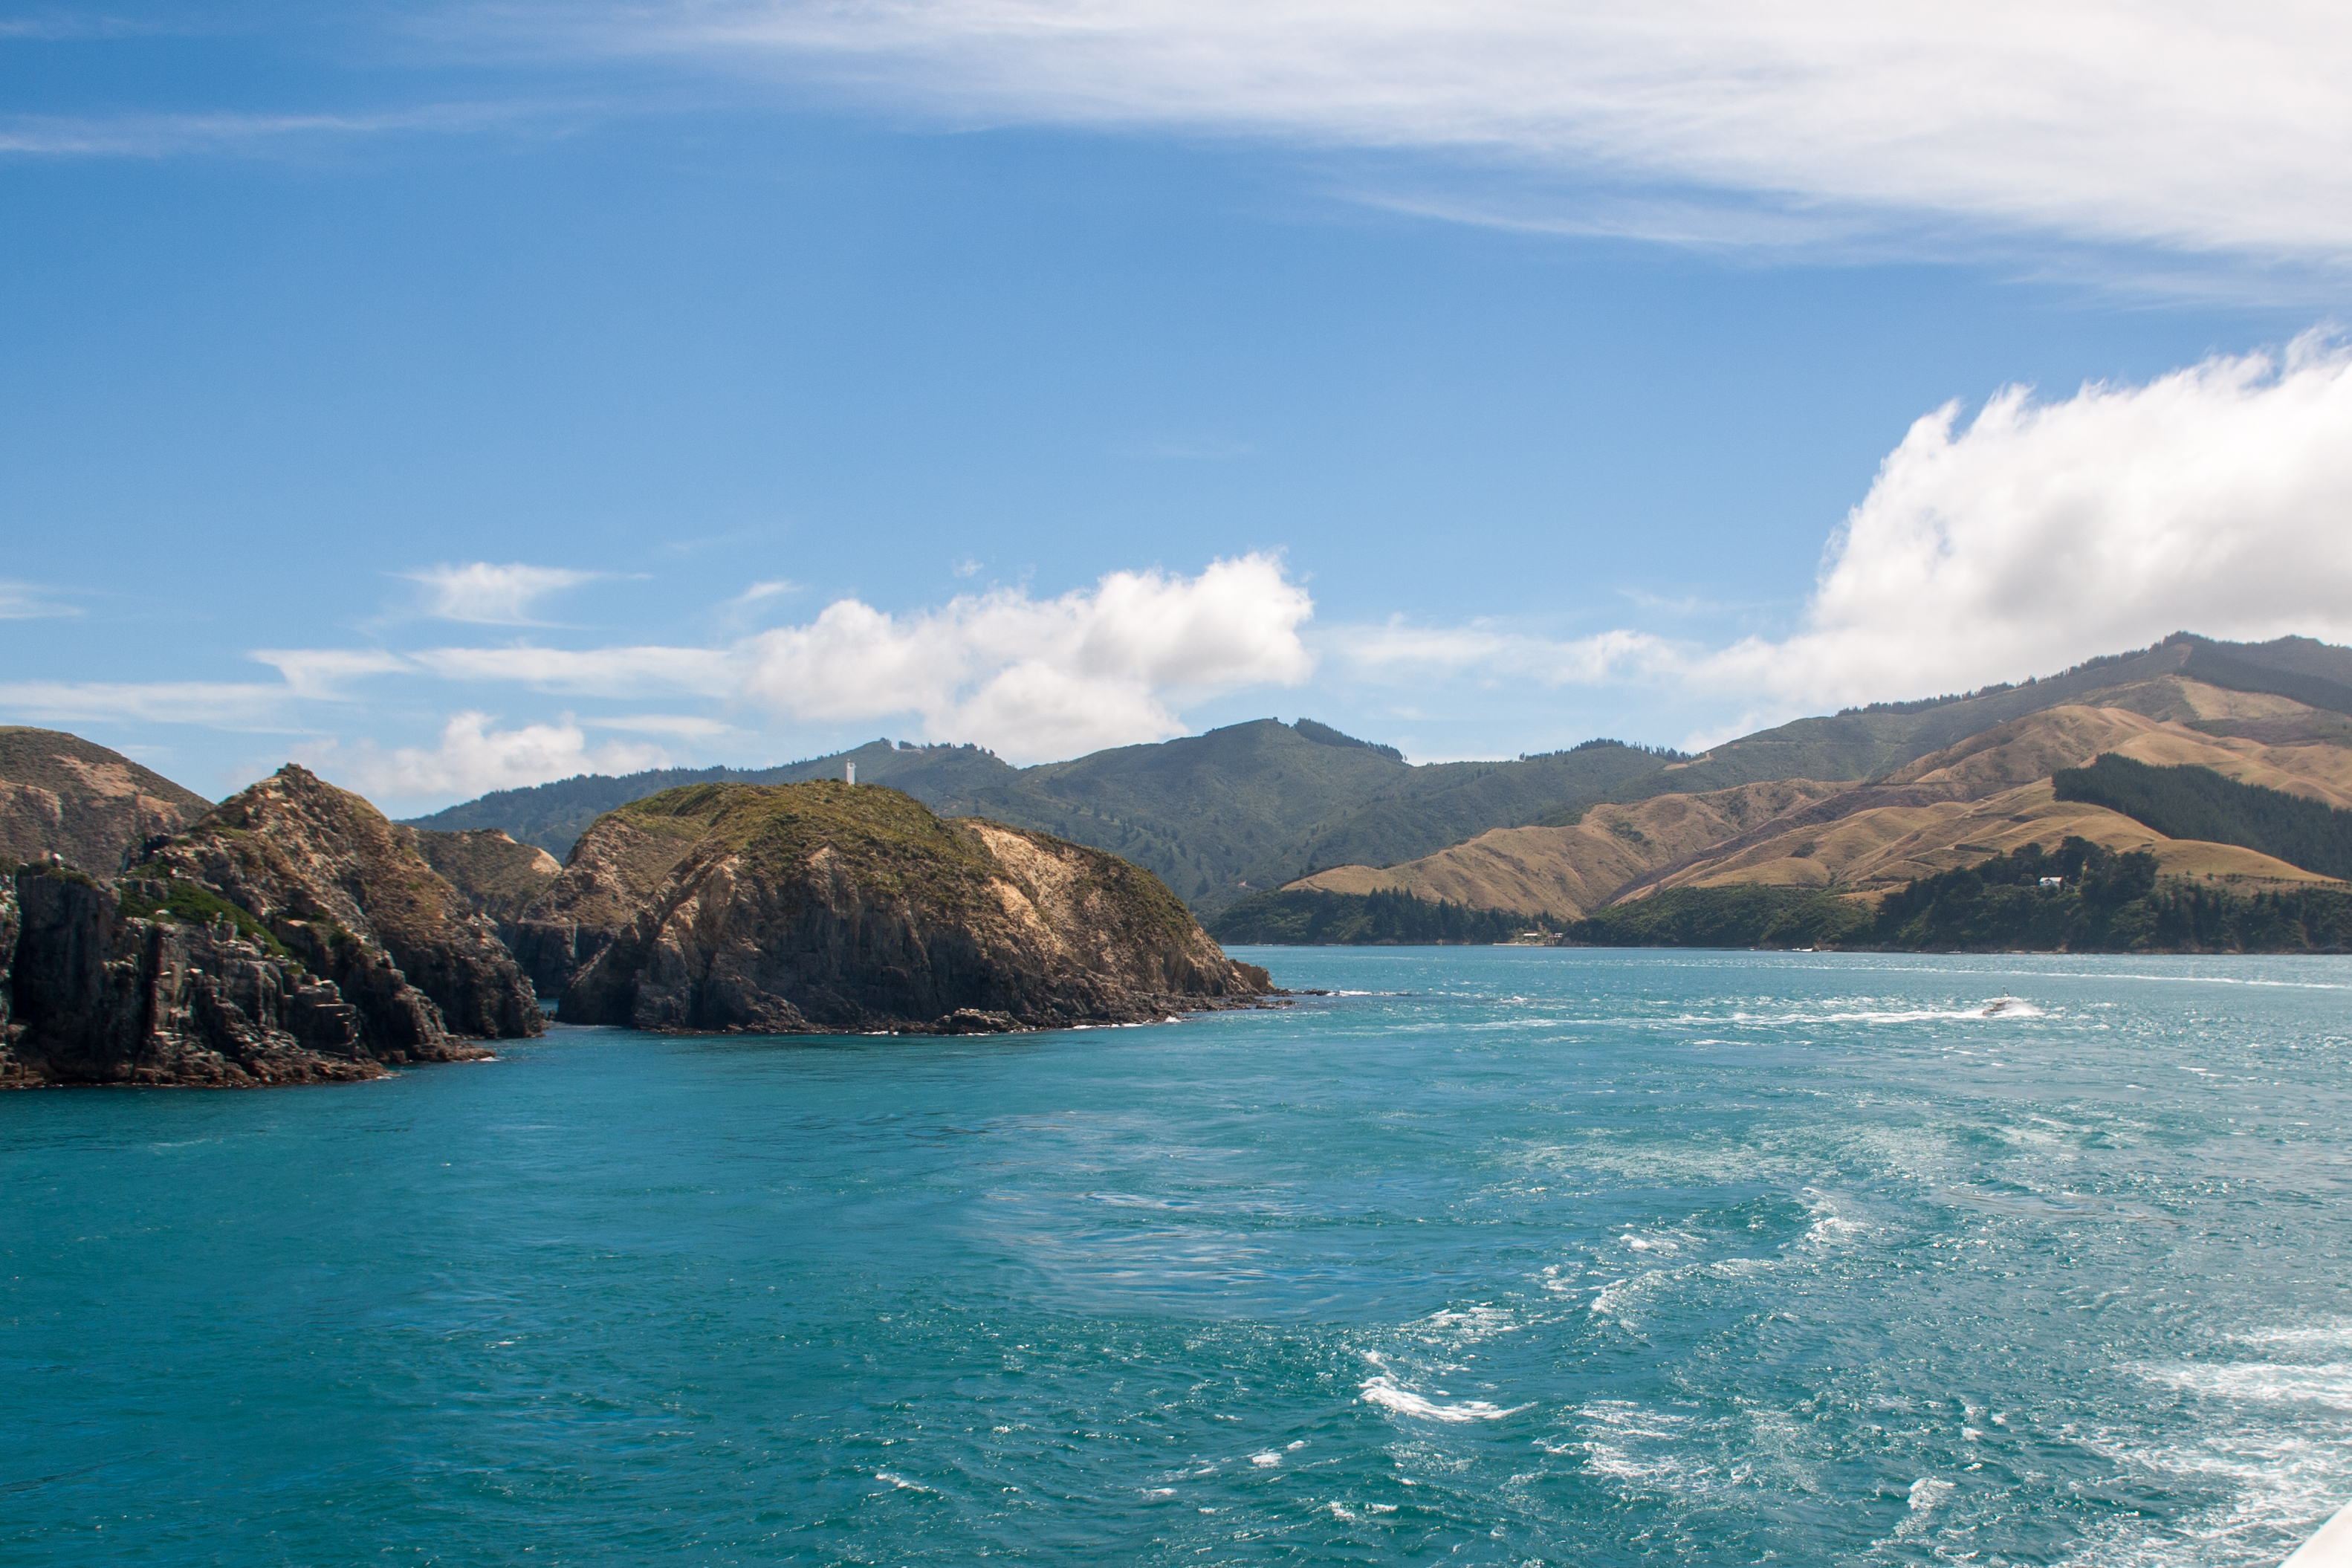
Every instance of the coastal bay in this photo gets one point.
(1508, 1255)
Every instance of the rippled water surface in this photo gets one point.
(1499, 1256)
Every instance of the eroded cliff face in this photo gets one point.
(94, 996)
(619, 863)
(498, 878)
(817, 907)
(350, 896)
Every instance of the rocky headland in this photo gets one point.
(819, 908)
(291, 934)
(92, 994)
(350, 895)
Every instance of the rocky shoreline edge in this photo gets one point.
(293, 935)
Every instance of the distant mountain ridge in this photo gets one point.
(1260, 804)
(1215, 816)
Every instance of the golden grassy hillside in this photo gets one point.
(1985, 795)
(1569, 871)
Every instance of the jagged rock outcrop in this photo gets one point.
(498, 878)
(816, 908)
(614, 868)
(348, 894)
(94, 995)
(61, 794)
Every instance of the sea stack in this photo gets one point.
(821, 908)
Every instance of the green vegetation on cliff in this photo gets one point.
(878, 837)
(553, 815)
(1310, 918)
(1747, 916)
(142, 899)
(2191, 802)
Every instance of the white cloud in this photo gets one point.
(28, 602)
(2213, 500)
(1053, 678)
(226, 705)
(322, 672)
(472, 758)
(686, 726)
(1400, 653)
(759, 592)
(2200, 128)
(165, 135)
(490, 595)
(599, 672)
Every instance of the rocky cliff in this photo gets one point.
(62, 796)
(91, 994)
(816, 908)
(498, 878)
(348, 894)
(614, 868)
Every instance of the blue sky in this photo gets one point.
(540, 388)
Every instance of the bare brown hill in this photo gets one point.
(1569, 871)
(1999, 796)
(91, 808)
(1990, 792)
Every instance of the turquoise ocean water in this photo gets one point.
(1503, 1257)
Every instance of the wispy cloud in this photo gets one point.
(30, 602)
(233, 131)
(760, 593)
(322, 673)
(1697, 121)
(489, 595)
(685, 726)
(599, 672)
(1401, 653)
(223, 705)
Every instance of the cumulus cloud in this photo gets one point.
(1044, 677)
(490, 595)
(472, 758)
(2017, 543)
(2217, 130)
(2212, 500)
